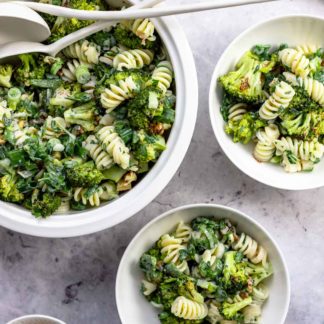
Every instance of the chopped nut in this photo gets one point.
(126, 182)
(21, 124)
(157, 128)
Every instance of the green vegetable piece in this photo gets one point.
(84, 175)
(51, 84)
(5, 75)
(8, 189)
(231, 310)
(14, 95)
(82, 74)
(114, 173)
(45, 205)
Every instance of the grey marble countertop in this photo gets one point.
(74, 279)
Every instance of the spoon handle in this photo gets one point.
(56, 47)
(140, 13)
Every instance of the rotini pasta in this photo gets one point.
(296, 61)
(53, 127)
(132, 59)
(143, 28)
(265, 147)
(214, 316)
(183, 232)
(114, 146)
(163, 74)
(314, 88)
(102, 159)
(87, 196)
(307, 49)
(237, 111)
(280, 99)
(298, 155)
(170, 248)
(113, 96)
(84, 51)
(70, 70)
(185, 308)
(249, 247)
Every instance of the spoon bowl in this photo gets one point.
(20, 23)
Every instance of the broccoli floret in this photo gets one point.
(244, 129)
(54, 176)
(300, 125)
(205, 235)
(61, 98)
(130, 40)
(84, 175)
(230, 311)
(258, 272)
(29, 69)
(234, 273)
(5, 75)
(64, 26)
(137, 118)
(149, 265)
(210, 271)
(82, 74)
(83, 115)
(138, 76)
(8, 189)
(247, 81)
(186, 288)
(302, 101)
(46, 205)
(148, 147)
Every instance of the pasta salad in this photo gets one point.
(275, 98)
(205, 272)
(80, 128)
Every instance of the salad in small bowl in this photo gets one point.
(267, 102)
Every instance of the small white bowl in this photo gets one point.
(36, 319)
(134, 308)
(92, 220)
(292, 30)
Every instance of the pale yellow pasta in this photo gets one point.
(132, 59)
(185, 308)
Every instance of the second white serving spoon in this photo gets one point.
(16, 48)
(19, 23)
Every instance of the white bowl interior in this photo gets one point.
(112, 213)
(134, 308)
(36, 319)
(292, 30)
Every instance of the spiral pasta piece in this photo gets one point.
(183, 232)
(252, 314)
(314, 88)
(132, 59)
(260, 294)
(296, 61)
(65, 206)
(148, 287)
(53, 127)
(163, 74)
(251, 249)
(114, 146)
(69, 71)
(102, 159)
(170, 248)
(187, 309)
(307, 49)
(85, 51)
(265, 147)
(280, 99)
(83, 195)
(237, 111)
(214, 316)
(298, 155)
(142, 28)
(113, 96)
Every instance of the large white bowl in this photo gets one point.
(110, 214)
(293, 30)
(134, 308)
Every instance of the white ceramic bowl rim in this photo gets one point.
(214, 114)
(35, 316)
(96, 219)
(190, 206)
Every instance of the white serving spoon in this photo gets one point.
(138, 12)
(19, 23)
(16, 48)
